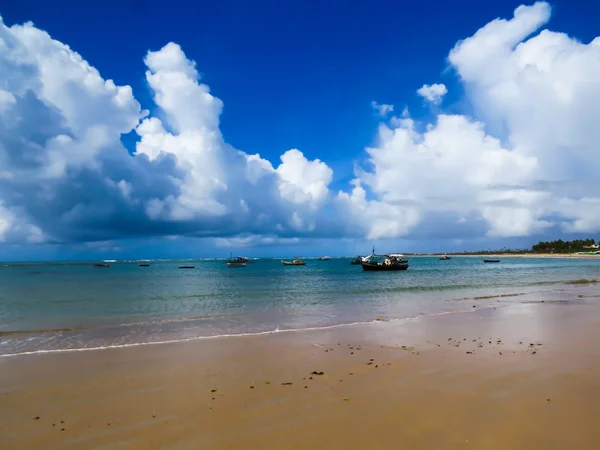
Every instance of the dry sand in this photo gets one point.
(515, 377)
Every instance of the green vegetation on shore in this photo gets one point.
(559, 246)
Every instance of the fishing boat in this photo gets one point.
(491, 260)
(238, 261)
(187, 267)
(444, 258)
(324, 258)
(296, 262)
(392, 262)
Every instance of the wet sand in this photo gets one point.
(514, 377)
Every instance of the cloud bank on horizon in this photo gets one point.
(525, 161)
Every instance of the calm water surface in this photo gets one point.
(52, 306)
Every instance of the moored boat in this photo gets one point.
(324, 258)
(367, 267)
(239, 261)
(187, 267)
(101, 265)
(296, 262)
(444, 258)
(491, 260)
(144, 265)
(392, 262)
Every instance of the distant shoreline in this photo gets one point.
(515, 255)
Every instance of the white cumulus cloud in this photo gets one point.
(433, 93)
(64, 174)
(382, 109)
(525, 162)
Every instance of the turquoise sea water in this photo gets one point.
(57, 306)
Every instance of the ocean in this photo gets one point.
(47, 307)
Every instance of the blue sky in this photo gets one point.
(296, 75)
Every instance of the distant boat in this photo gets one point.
(324, 258)
(444, 258)
(356, 261)
(144, 265)
(296, 262)
(101, 265)
(187, 267)
(491, 260)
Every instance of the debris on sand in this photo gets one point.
(314, 372)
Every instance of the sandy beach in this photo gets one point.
(502, 377)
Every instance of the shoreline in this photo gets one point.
(488, 376)
(494, 300)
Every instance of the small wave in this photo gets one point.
(41, 331)
(581, 281)
(429, 288)
(174, 320)
(487, 297)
